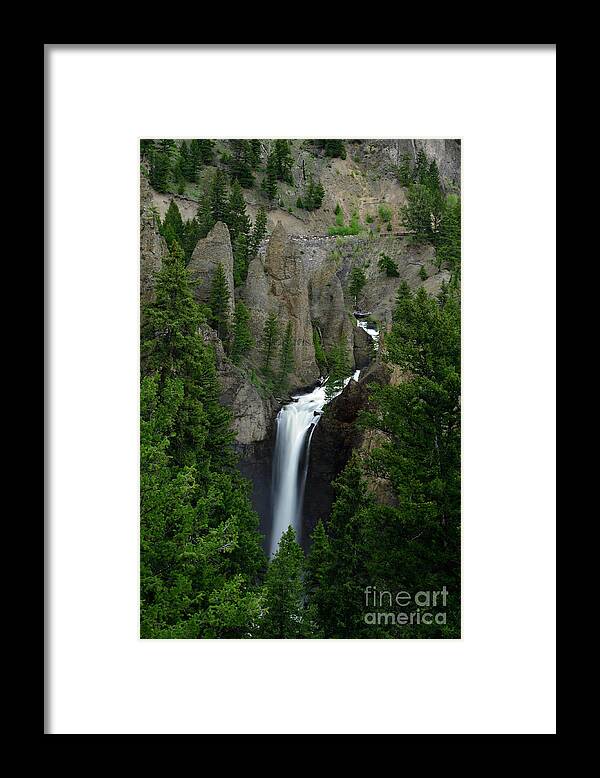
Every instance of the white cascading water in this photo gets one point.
(296, 423)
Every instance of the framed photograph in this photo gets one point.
(301, 445)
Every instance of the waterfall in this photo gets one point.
(296, 423)
(373, 333)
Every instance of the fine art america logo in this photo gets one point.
(404, 609)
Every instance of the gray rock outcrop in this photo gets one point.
(211, 251)
(152, 244)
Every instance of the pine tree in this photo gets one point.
(433, 176)
(219, 303)
(339, 363)
(422, 213)
(206, 148)
(269, 342)
(270, 181)
(286, 358)
(160, 170)
(241, 163)
(237, 218)
(421, 168)
(218, 198)
(405, 174)
(258, 233)
(317, 578)
(357, 283)
(242, 337)
(255, 149)
(334, 148)
(172, 228)
(186, 162)
(146, 147)
(283, 591)
(283, 161)
(448, 239)
(313, 197)
(172, 348)
(196, 158)
(204, 215)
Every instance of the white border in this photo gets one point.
(500, 677)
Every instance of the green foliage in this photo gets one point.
(259, 232)
(405, 173)
(242, 340)
(237, 218)
(334, 148)
(385, 213)
(269, 184)
(422, 213)
(357, 283)
(219, 202)
(269, 342)
(449, 239)
(283, 161)
(387, 265)
(423, 273)
(201, 557)
(313, 197)
(219, 303)
(243, 160)
(339, 362)
(160, 170)
(342, 229)
(412, 542)
(283, 591)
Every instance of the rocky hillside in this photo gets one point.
(302, 274)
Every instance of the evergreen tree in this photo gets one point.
(405, 174)
(283, 591)
(433, 176)
(160, 170)
(338, 571)
(190, 238)
(421, 168)
(339, 363)
(258, 233)
(146, 147)
(186, 162)
(422, 213)
(317, 578)
(242, 162)
(449, 239)
(286, 358)
(357, 283)
(206, 149)
(334, 148)
(172, 228)
(270, 181)
(313, 197)
(218, 198)
(388, 266)
(201, 554)
(242, 337)
(204, 215)
(237, 218)
(255, 151)
(196, 157)
(283, 161)
(219, 303)
(172, 348)
(269, 342)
